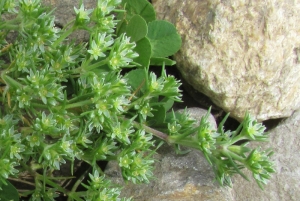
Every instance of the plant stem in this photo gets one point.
(177, 138)
(157, 133)
(96, 65)
(55, 185)
(78, 182)
(78, 104)
(39, 105)
(13, 24)
(82, 97)
(236, 139)
(187, 142)
(68, 24)
(63, 36)
(140, 99)
(233, 155)
(22, 181)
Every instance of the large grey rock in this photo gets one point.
(285, 183)
(178, 177)
(244, 55)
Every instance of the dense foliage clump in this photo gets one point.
(64, 102)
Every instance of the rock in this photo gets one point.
(64, 10)
(178, 177)
(285, 183)
(244, 55)
(64, 13)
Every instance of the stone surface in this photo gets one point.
(178, 177)
(64, 13)
(64, 10)
(244, 55)
(285, 183)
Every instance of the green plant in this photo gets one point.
(64, 102)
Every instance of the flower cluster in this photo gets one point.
(253, 130)
(122, 53)
(164, 85)
(104, 188)
(136, 167)
(70, 101)
(45, 84)
(43, 32)
(10, 6)
(11, 147)
(100, 45)
(261, 167)
(82, 15)
(29, 7)
(222, 152)
(103, 16)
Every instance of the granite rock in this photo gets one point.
(244, 55)
(285, 183)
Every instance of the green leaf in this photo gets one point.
(1, 6)
(159, 61)
(137, 28)
(167, 103)
(164, 38)
(136, 79)
(159, 116)
(122, 24)
(143, 48)
(139, 7)
(8, 192)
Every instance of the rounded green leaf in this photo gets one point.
(167, 103)
(159, 116)
(137, 28)
(136, 79)
(164, 39)
(140, 7)
(143, 48)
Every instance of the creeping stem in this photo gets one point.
(63, 36)
(157, 133)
